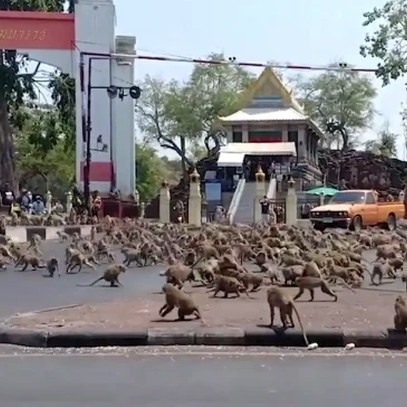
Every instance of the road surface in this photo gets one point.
(28, 291)
(237, 378)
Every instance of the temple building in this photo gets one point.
(272, 130)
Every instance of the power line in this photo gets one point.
(233, 61)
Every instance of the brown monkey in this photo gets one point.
(111, 275)
(311, 269)
(400, 319)
(229, 285)
(310, 283)
(255, 279)
(27, 259)
(278, 299)
(178, 274)
(396, 263)
(35, 243)
(78, 260)
(175, 298)
(52, 266)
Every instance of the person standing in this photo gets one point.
(265, 205)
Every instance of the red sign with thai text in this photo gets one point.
(36, 30)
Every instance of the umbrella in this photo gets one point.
(327, 191)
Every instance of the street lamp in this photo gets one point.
(113, 92)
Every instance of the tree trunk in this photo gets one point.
(7, 164)
(405, 202)
(183, 160)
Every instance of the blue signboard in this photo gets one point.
(213, 191)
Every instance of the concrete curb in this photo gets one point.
(388, 339)
(24, 233)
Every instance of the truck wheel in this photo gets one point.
(357, 224)
(391, 222)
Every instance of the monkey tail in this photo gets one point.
(344, 283)
(91, 284)
(198, 261)
(301, 326)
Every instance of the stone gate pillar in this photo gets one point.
(260, 192)
(195, 200)
(164, 202)
(291, 204)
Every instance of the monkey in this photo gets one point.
(396, 263)
(255, 279)
(310, 283)
(228, 285)
(35, 243)
(178, 274)
(5, 251)
(380, 269)
(27, 259)
(111, 275)
(276, 298)
(400, 318)
(261, 258)
(291, 273)
(78, 260)
(311, 269)
(62, 236)
(175, 298)
(69, 252)
(52, 266)
(130, 256)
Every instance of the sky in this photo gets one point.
(302, 32)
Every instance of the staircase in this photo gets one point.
(245, 208)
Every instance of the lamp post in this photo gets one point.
(113, 92)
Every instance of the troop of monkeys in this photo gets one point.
(216, 257)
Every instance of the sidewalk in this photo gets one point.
(363, 316)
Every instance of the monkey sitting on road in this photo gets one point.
(175, 298)
(52, 266)
(27, 259)
(78, 260)
(111, 275)
(400, 319)
(35, 243)
(310, 283)
(276, 298)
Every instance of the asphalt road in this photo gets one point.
(182, 379)
(29, 290)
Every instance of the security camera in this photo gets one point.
(134, 92)
(112, 92)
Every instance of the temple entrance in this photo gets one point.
(279, 166)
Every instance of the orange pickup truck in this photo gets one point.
(354, 209)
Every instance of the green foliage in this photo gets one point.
(179, 115)
(386, 144)
(41, 152)
(388, 40)
(149, 171)
(342, 96)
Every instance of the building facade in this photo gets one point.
(275, 131)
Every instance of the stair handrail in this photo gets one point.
(235, 200)
(271, 194)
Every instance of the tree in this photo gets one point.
(342, 98)
(386, 144)
(149, 172)
(180, 115)
(41, 153)
(15, 87)
(388, 42)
